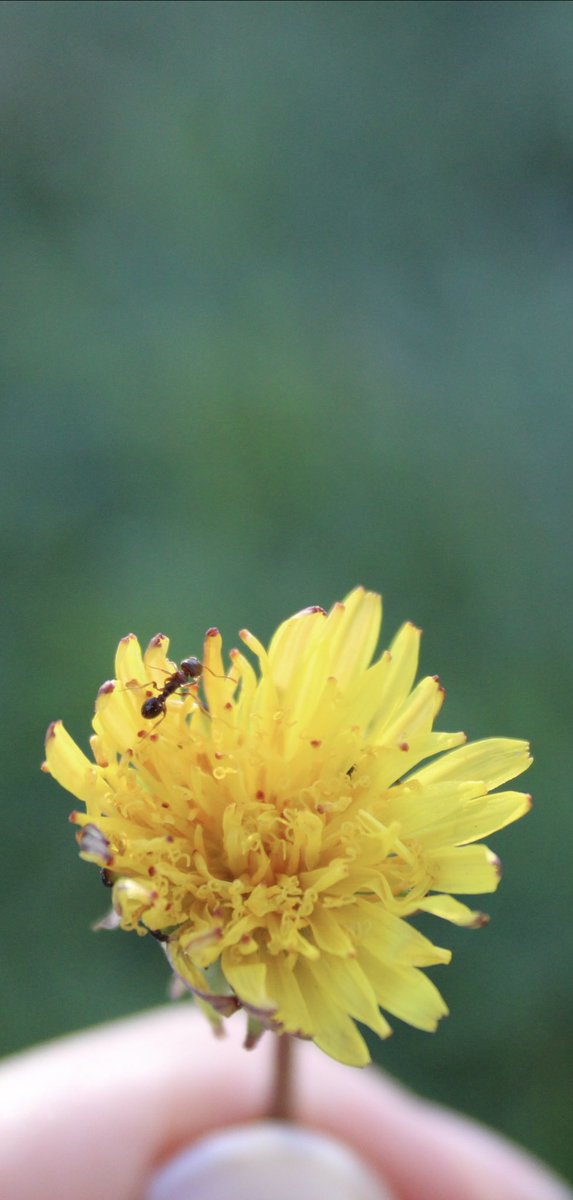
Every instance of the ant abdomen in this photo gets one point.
(153, 707)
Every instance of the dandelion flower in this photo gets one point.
(275, 829)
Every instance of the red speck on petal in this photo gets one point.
(245, 938)
(212, 632)
(141, 733)
(404, 746)
(260, 795)
(107, 687)
(153, 737)
(480, 920)
(129, 637)
(169, 837)
(315, 608)
(219, 754)
(51, 730)
(244, 634)
(73, 818)
(165, 804)
(497, 866)
(315, 742)
(152, 871)
(157, 640)
(154, 895)
(229, 706)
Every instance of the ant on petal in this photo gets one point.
(183, 680)
(188, 671)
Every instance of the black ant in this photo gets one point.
(188, 671)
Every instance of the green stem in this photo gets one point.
(281, 1107)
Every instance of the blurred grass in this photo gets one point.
(287, 306)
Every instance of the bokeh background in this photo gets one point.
(287, 305)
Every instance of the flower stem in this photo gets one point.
(281, 1106)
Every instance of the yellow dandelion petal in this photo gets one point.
(389, 937)
(405, 992)
(129, 661)
(66, 762)
(399, 672)
(328, 933)
(292, 1015)
(247, 681)
(248, 981)
(276, 826)
(354, 634)
(454, 814)
(219, 687)
(478, 818)
(333, 1028)
(417, 715)
(346, 980)
(465, 869)
(494, 761)
(117, 716)
(453, 910)
(292, 644)
(156, 664)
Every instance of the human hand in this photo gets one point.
(100, 1113)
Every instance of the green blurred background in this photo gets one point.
(287, 306)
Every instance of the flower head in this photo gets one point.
(276, 829)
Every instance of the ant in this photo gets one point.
(188, 671)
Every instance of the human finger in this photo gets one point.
(99, 1112)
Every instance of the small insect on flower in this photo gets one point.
(277, 834)
(188, 671)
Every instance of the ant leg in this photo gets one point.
(136, 687)
(215, 675)
(132, 686)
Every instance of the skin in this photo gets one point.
(94, 1114)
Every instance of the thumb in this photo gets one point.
(270, 1160)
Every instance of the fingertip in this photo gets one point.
(266, 1161)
